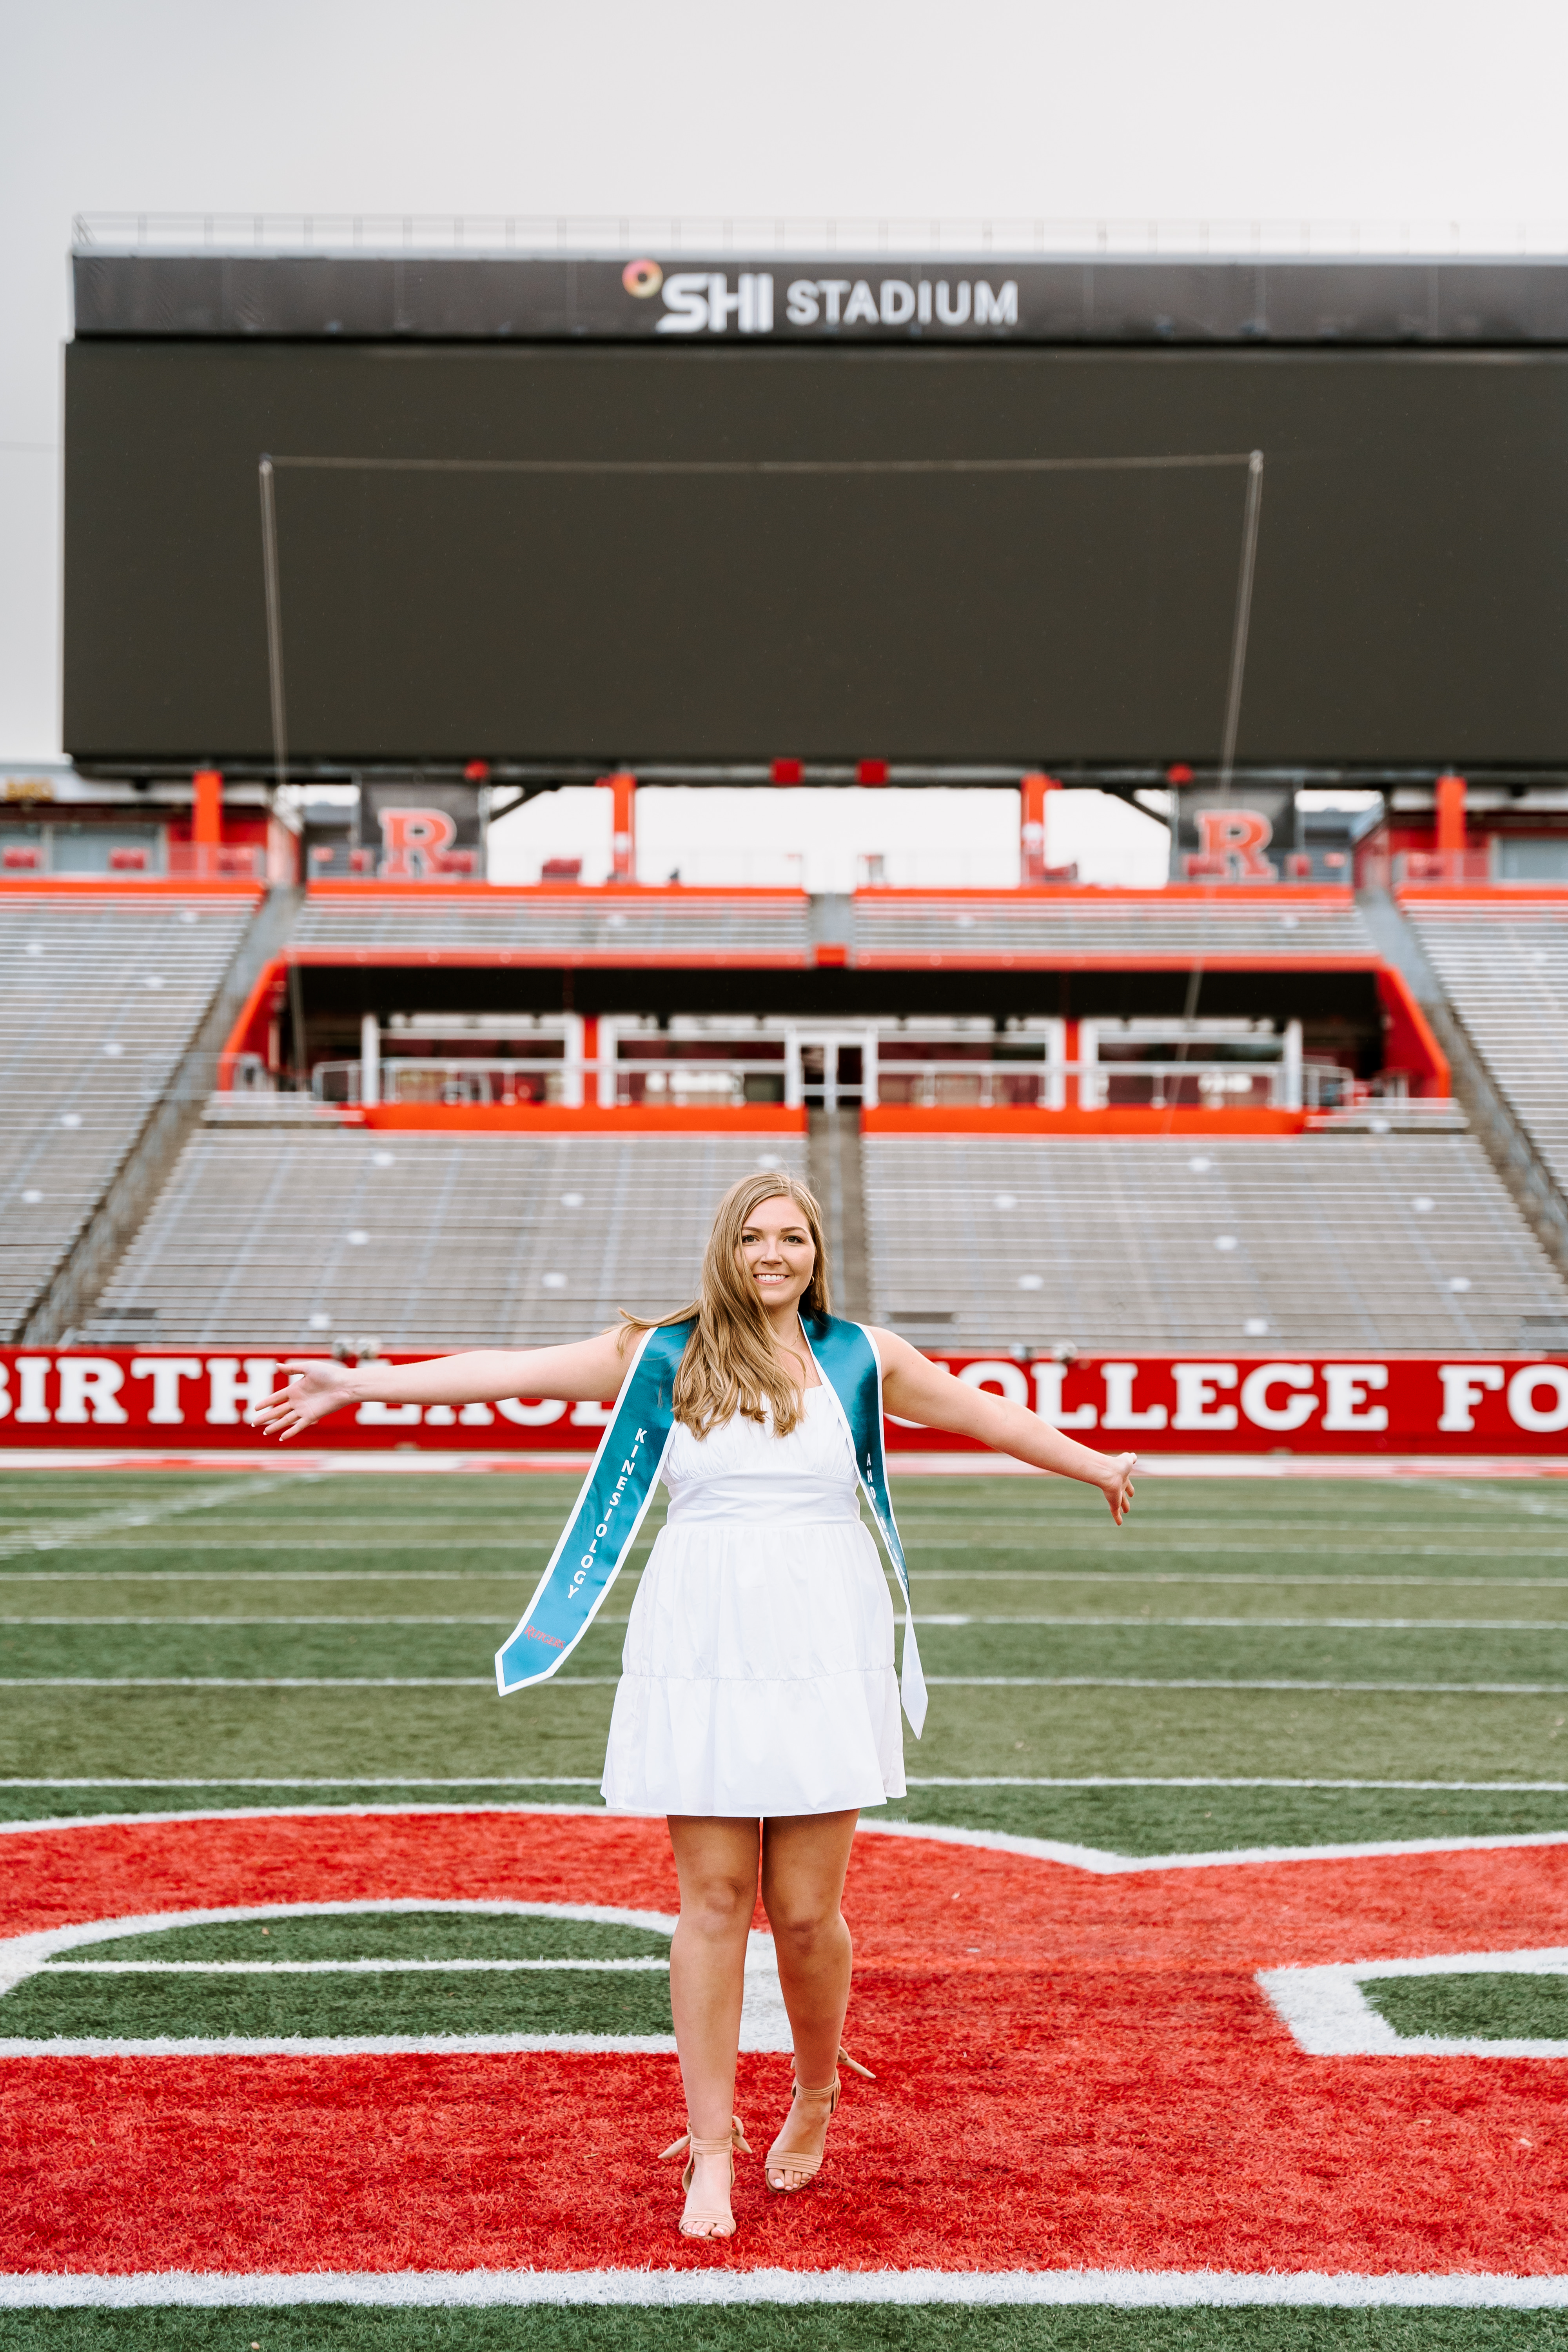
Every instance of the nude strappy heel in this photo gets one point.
(807, 2166)
(707, 2225)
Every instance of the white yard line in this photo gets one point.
(59, 1535)
(1110, 1780)
(342, 2045)
(916, 1780)
(515, 1540)
(1089, 1624)
(935, 1681)
(229, 1577)
(1036, 1538)
(338, 1968)
(1331, 2017)
(764, 2025)
(1097, 1859)
(278, 1681)
(1437, 1469)
(1196, 1681)
(1127, 2290)
(1104, 1865)
(1213, 1624)
(341, 1781)
(1268, 1583)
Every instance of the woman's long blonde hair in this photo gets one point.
(732, 1363)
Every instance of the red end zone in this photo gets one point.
(1075, 2071)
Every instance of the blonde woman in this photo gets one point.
(758, 1707)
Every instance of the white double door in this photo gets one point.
(830, 1067)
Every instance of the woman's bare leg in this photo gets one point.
(716, 1863)
(805, 1857)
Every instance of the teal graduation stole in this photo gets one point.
(625, 1471)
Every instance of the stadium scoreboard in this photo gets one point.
(715, 513)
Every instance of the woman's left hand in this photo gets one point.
(1117, 1485)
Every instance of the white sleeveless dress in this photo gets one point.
(757, 1675)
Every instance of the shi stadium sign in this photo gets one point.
(700, 301)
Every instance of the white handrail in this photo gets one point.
(1019, 236)
(1289, 1085)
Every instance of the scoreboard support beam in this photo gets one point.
(1032, 791)
(623, 826)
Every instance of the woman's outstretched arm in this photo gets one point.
(587, 1371)
(917, 1390)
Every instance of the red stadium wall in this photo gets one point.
(1409, 1044)
(168, 1399)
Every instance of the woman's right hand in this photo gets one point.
(316, 1390)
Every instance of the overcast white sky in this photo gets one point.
(1434, 110)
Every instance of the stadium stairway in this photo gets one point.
(1312, 1242)
(112, 1007)
(1491, 977)
(1505, 970)
(283, 1236)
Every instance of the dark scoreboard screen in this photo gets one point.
(648, 553)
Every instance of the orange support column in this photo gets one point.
(1071, 1097)
(1032, 790)
(1451, 821)
(206, 820)
(623, 826)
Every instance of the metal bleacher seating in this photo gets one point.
(1050, 927)
(100, 995)
(1503, 963)
(884, 927)
(279, 1236)
(1309, 1242)
(632, 926)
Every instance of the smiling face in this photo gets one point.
(777, 1252)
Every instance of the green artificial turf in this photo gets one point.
(318, 1734)
(335, 1645)
(1497, 2006)
(378, 1732)
(1155, 1820)
(158, 2008)
(411, 1935)
(30, 1800)
(62, 1999)
(1136, 1820)
(57, 2000)
(812, 2327)
(1445, 1581)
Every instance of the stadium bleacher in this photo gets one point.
(460, 1239)
(1503, 964)
(279, 1236)
(1309, 1242)
(882, 926)
(446, 1239)
(1061, 926)
(100, 995)
(626, 925)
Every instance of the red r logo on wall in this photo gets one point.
(1233, 843)
(412, 841)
